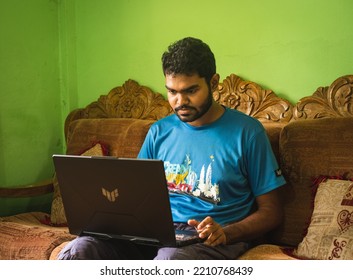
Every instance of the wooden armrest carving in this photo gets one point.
(330, 101)
(251, 99)
(127, 101)
(37, 189)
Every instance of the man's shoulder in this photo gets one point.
(168, 121)
(239, 117)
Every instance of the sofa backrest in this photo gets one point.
(317, 142)
(121, 119)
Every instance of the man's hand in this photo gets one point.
(209, 229)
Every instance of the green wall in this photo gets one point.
(57, 55)
(30, 111)
(291, 47)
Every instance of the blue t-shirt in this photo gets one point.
(214, 170)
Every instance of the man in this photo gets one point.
(221, 171)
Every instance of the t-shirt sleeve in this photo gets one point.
(146, 151)
(264, 174)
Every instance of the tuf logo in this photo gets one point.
(111, 196)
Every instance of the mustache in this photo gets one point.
(183, 107)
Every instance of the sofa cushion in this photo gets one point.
(273, 131)
(24, 237)
(308, 149)
(124, 137)
(330, 233)
(267, 252)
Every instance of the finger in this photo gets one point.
(208, 230)
(208, 220)
(216, 238)
(193, 222)
(215, 235)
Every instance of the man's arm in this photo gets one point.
(268, 215)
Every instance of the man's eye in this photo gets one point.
(171, 91)
(192, 90)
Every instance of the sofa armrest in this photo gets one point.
(37, 189)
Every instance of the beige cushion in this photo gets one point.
(330, 233)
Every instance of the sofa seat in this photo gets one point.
(26, 236)
(260, 252)
(267, 252)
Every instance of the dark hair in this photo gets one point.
(189, 56)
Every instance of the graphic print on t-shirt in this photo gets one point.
(183, 179)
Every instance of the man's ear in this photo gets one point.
(214, 82)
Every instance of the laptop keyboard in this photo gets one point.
(180, 237)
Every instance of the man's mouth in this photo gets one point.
(183, 110)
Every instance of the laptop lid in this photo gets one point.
(118, 198)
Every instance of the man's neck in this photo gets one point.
(214, 113)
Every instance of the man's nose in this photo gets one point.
(182, 99)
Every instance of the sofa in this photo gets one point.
(312, 140)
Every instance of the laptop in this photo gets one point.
(119, 198)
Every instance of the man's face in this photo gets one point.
(190, 97)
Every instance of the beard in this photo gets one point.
(193, 113)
